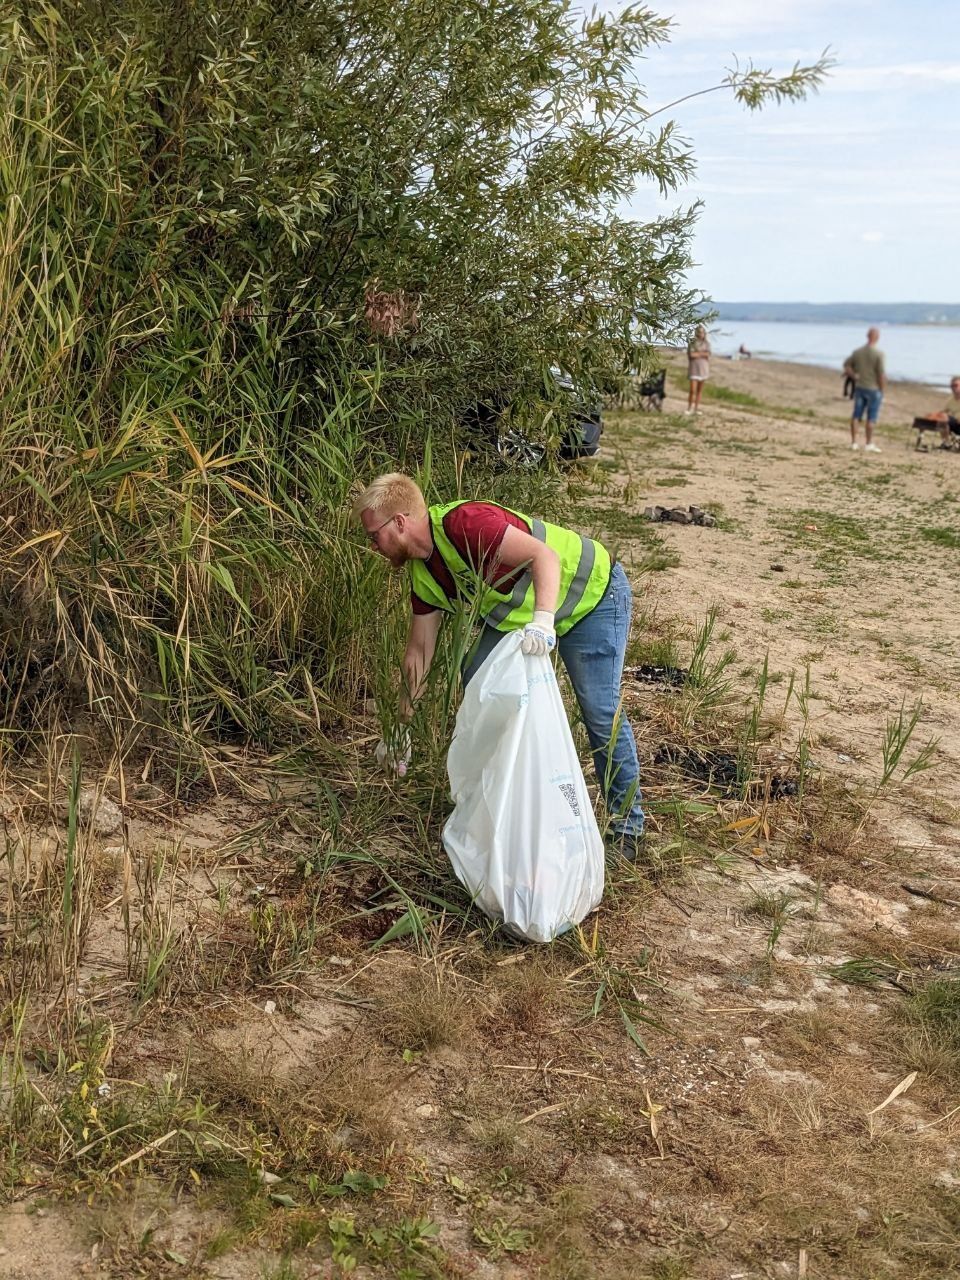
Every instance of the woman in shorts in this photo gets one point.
(698, 367)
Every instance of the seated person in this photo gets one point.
(949, 415)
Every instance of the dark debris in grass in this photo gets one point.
(723, 771)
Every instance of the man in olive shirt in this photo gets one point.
(866, 366)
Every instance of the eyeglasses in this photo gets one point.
(374, 534)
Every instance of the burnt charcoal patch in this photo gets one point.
(722, 771)
(671, 677)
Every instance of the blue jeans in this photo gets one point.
(592, 653)
(867, 402)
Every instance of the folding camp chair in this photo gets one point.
(922, 425)
(653, 391)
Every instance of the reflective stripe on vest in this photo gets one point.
(578, 586)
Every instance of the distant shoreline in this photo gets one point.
(773, 387)
(928, 354)
(845, 320)
(822, 372)
(933, 315)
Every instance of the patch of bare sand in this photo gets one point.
(820, 562)
(45, 1245)
(858, 594)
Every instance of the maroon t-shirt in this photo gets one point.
(476, 529)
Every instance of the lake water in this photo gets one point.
(920, 353)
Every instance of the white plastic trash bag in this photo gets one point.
(522, 838)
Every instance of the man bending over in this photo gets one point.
(519, 574)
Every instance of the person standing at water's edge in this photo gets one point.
(698, 367)
(866, 367)
(518, 574)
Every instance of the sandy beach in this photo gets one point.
(784, 384)
(841, 572)
(842, 562)
(738, 1066)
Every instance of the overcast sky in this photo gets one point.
(851, 195)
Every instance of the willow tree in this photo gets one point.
(246, 246)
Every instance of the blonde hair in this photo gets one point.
(390, 495)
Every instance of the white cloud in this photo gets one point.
(741, 17)
(931, 201)
(872, 237)
(895, 75)
(828, 131)
(775, 187)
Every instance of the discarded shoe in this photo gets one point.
(681, 515)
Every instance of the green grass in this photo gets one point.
(669, 1269)
(629, 524)
(659, 558)
(941, 537)
(724, 395)
(863, 971)
(836, 539)
(654, 651)
(824, 624)
(770, 906)
(721, 395)
(932, 1043)
(936, 1008)
(791, 411)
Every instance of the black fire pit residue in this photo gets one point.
(673, 677)
(721, 771)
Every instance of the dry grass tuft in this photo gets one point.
(424, 1009)
(341, 1105)
(809, 1034)
(530, 995)
(564, 1233)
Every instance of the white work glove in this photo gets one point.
(539, 636)
(393, 756)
